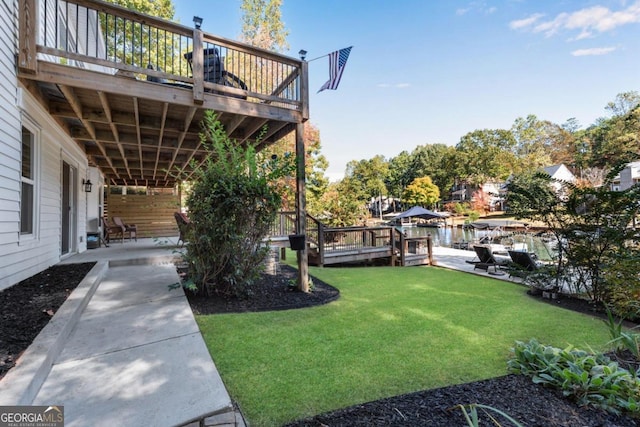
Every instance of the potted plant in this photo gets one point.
(297, 241)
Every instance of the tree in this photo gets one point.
(422, 192)
(624, 103)
(400, 174)
(232, 205)
(141, 45)
(486, 154)
(262, 25)
(341, 207)
(367, 177)
(614, 140)
(315, 166)
(436, 161)
(533, 142)
(591, 227)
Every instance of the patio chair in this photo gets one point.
(487, 259)
(111, 230)
(523, 262)
(183, 224)
(132, 229)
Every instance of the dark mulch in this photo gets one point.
(530, 404)
(270, 293)
(28, 306)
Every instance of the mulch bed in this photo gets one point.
(516, 395)
(27, 307)
(270, 293)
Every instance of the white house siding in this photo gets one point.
(23, 257)
(629, 176)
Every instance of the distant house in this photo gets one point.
(559, 174)
(464, 191)
(627, 178)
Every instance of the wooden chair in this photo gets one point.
(132, 229)
(111, 230)
(183, 224)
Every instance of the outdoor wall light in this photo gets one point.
(197, 21)
(303, 54)
(87, 185)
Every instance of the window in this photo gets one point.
(27, 193)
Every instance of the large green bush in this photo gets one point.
(594, 233)
(231, 206)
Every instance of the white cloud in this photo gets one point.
(587, 22)
(526, 22)
(593, 51)
(479, 6)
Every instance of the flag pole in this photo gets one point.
(327, 54)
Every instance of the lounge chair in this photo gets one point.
(132, 229)
(183, 224)
(523, 263)
(487, 260)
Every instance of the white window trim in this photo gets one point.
(32, 127)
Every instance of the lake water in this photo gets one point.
(447, 236)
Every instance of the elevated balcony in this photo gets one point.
(132, 89)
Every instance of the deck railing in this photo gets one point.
(332, 241)
(105, 37)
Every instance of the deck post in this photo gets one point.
(430, 248)
(28, 19)
(197, 67)
(301, 209)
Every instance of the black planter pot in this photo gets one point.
(297, 241)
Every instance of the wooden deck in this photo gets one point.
(345, 245)
(132, 89)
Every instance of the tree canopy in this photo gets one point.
(422, 192)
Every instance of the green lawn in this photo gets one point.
(393, 330)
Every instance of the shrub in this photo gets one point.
(589, 379)
(231, 206)
(622, 279)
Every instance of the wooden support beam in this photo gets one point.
(106, 107)
(165, 109)
(301, 209)
(28, 21)
(197, 67)
(187, 122)
(76, 105)
(136, 113)
(304, 90)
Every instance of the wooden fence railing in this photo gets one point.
(112, 39)
(329, 245)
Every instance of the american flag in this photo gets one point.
(337, 61)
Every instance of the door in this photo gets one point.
(69, 198)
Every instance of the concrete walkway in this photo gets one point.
(124, 349)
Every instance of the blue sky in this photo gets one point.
(428, 71)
